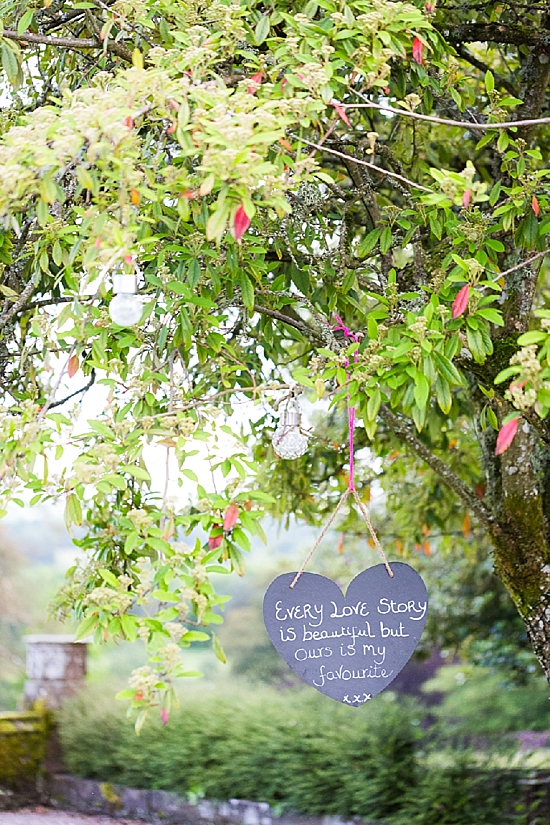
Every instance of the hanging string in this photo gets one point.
(351, 484)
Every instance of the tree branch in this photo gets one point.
(465, 493)
(490, 33)
(18, 304)
(483, 67)
(77, 392)
(460, 124)
(376, 168)
(301, 326)
(70, 43)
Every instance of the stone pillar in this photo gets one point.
(56, 669)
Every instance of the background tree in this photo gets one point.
(267, 167)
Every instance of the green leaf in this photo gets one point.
(492, 315)
(489, 81)
(216, 224)
(86, 627)
(534, 336)
(25, 21)
(385, 240)
(447, 368)
(132, 541)
(443, 394)
(507, 373)
(218, 649)
(247, 290)
(137, 472)
(109, 577)
(369, 242)
(73, 510)
(195, 636)
(10, 63)
(421, 390)
(373, 404)
(241, 538)
(261, 31)
(129, 626)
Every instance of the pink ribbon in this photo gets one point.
(340, 326)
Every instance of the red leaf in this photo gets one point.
(466, 198)
(461, 302)
(214, 542)
(535, 205)
(241, 222)
(284, 142)
(97, 242)
(480, 490)
(418, 50)
(506, 435)
(230, 518)
(255, 84)
(129, 122)
(72, 366)
(341, 112)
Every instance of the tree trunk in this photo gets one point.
(520, 536)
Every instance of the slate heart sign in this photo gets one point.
(348, 647)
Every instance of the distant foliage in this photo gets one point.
(296, 751)
(293, 750)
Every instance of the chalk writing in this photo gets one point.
(326, 638)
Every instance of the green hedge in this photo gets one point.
(298, 751)
(295, 750)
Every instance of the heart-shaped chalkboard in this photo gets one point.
(349, 647)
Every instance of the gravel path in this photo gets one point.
(45, 816)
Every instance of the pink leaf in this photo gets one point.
(241, 222)
(535, 205)
(230, 518)
(72, 366)
(506, 435)
(429, 6)
(466, 198)
(256, 81)
(341, 112)
(164, 716)
(418, 50)
(215, 541)
(461, 302)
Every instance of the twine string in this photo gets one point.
(351, 485)
(320, 538)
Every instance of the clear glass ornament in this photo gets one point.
(126, 308)
(288, 440)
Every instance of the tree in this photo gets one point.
(266, 169)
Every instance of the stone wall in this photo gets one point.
(87, 796)
(23, 742)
